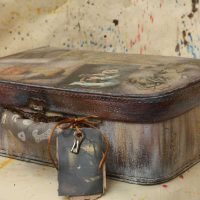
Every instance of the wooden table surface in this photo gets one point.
(25, 181)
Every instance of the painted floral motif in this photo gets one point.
(161, 77)
(40, 136)
(27, 122)
(150, 81)
(21, 135)
(15, 117)
(26, 129)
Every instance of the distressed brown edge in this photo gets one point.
(139, 109)
(147, 181)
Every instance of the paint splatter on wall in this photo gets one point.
(187, 36)
(131, 26)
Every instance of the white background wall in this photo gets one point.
(164, 27)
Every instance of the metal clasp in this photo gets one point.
(78, 139)
(37, 105)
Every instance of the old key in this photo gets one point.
(78, 139)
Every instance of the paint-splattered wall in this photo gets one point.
(165, 27)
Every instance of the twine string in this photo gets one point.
(78, 123)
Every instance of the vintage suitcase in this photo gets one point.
(149, 107)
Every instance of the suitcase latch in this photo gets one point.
(37, 105)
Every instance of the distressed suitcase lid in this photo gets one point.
(121, 87)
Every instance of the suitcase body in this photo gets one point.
(148, 106)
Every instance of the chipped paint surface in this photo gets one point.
(146, 27)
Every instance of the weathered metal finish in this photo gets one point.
(160, 96)
(140, 153)
(154, 153)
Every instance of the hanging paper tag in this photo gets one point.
(79, 173)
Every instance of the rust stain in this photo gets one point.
(151, 18)
(38, 10)
(165, 186)
(181, 176)
(5, 163)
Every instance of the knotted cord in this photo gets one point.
(77, 124)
